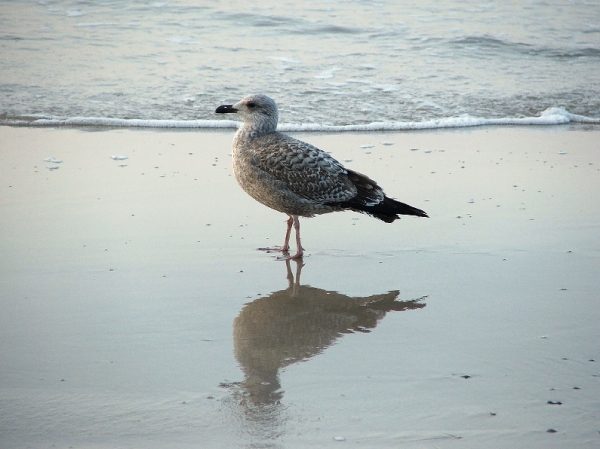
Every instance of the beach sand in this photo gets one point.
(138, 312)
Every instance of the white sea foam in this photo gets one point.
(551, 116)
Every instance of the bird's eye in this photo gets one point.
(251, 105)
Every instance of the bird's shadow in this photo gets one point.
(294, 325)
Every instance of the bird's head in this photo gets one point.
(258, 111)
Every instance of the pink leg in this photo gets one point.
(300, 250)
(286, 243)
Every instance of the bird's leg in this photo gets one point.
(288, 232)
(300, 250)
(286, 244)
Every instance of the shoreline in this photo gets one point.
(552, 116)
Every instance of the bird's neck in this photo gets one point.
(257, 127)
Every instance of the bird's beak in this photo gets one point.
(226, 109)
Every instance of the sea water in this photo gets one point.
(330, 65)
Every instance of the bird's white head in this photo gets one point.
(258, 111)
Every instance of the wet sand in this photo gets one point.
(137, 312)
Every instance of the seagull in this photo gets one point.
(296, 178)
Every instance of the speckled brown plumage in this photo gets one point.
(296, 178)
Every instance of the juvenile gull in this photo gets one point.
(296, 178)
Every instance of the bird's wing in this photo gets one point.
(306, 170)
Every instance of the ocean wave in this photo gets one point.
(551, 116)
(487, 43)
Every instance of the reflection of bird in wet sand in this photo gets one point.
(296, 324)
(296, 178)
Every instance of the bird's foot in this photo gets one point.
(286, 256)
(285, 253)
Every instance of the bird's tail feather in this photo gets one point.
(388, 210)
(371, 200)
